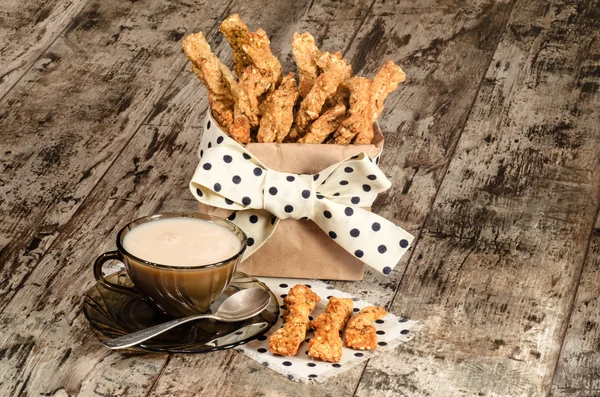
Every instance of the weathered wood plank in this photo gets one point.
(493, 276)
(65, 123)
(577, 372)
(27, 28)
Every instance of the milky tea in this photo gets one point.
(181, 262)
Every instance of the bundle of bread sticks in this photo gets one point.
(326, 344)
(328, 104)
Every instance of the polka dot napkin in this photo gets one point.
(391, 331)
(230, 177)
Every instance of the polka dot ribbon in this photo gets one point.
(229, 177)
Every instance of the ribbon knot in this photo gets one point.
(296, 198)
(230, 177)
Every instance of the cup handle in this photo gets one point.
(99, 263)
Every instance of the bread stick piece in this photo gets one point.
(385, 81)
(278, 111)
(305, 54)
(217, 78)
(326, 344)
(360, 333)
(250, 48)
(299, 303)
(361, 109)
(335, 70)
(324, 125)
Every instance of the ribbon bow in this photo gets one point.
(229, 177)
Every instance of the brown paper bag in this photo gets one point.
(300, 249)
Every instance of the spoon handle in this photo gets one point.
(148, 333)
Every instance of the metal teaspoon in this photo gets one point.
(239, 306)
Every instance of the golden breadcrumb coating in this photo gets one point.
(335, 70)
(299, 303)
(361, 109)
(326, 344)
(305, 54)
(217, 78)
(325, 125)
(278, 111)
(360, 333)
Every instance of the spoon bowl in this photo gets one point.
(240, 306)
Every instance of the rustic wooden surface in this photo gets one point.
(493, 147)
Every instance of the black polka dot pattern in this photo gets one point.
(230, 177)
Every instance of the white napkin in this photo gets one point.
(391, 331)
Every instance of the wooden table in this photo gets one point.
(493, 147)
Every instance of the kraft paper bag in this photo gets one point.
(299, 248)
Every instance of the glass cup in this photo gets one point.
(175, 290)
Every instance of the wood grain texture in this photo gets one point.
(65, 123)
(577, 373)
(494, 273)
(492, 278)
(423, 120)
(150, 174)
(27, 29)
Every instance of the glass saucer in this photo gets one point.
(112, 314)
